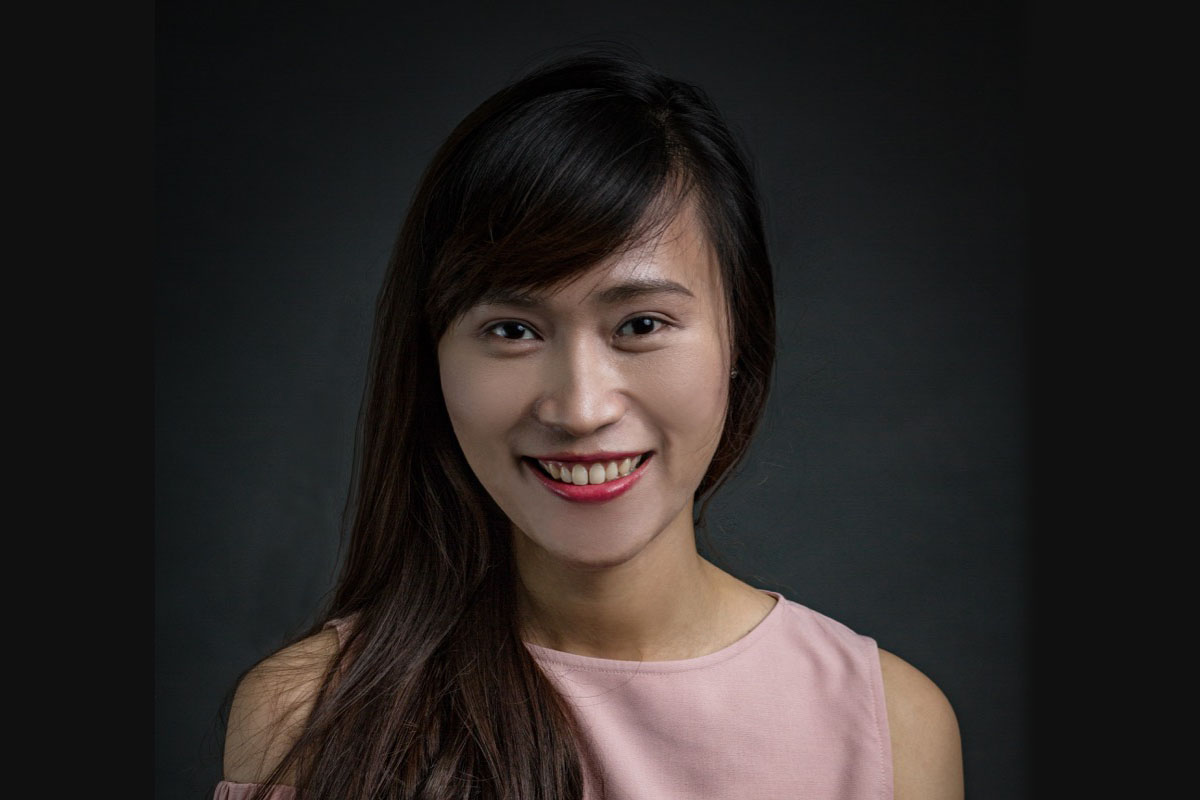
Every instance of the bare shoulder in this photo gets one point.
(926, 746)
(271, 705)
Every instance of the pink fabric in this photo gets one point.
(795, 708)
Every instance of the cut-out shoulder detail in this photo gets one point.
(926, 745)
(343, 626)
(272, 704)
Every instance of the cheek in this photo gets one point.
(689, 399)
(479, 401)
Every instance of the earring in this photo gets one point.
(732, 373)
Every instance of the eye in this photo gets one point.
(643, 326)
(511, 327)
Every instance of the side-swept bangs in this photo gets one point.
(538, 194)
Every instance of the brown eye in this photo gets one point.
(643, 326)
(514, 328)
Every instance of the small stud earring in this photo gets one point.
(733, 373)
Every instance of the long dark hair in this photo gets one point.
(434, 694)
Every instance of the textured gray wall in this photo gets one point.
(887, 487)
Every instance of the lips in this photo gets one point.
(592, 492)
(591, 458)
(536, 461)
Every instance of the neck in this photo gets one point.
(665, 603)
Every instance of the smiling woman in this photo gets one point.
(587, 391)
(573, 347)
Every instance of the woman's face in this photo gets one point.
(592, 368)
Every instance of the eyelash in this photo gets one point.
(487, 331)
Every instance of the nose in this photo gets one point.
(582, 392)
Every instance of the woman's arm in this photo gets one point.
(926, 747)
(271, 705)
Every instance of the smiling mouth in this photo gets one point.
(580, 474)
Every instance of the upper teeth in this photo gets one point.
(583, 474)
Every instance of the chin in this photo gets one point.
(595, 563)
(590, 556)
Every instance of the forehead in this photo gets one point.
(678, 262)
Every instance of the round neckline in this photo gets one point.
(592, 663)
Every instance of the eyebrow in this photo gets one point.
(613, 295)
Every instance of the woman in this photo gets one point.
(573, 345)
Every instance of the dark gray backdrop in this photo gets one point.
(887, 487)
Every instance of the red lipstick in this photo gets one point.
(601, 455)
(591, 493)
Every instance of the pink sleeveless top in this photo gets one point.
(793, 709)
